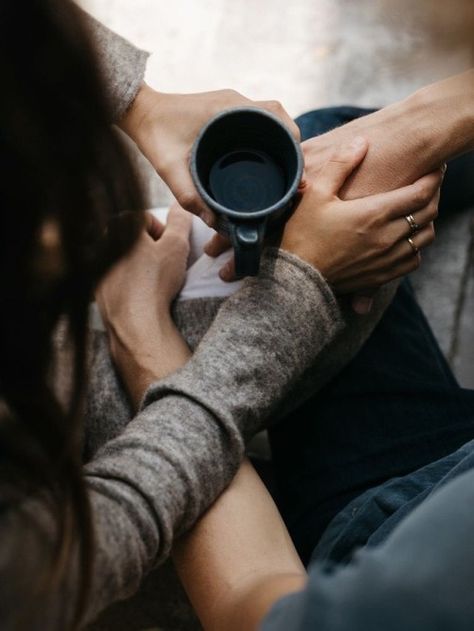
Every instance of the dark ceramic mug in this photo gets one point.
(247, 167)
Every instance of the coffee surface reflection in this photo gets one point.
(247, 181)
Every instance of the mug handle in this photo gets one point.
(247, 240)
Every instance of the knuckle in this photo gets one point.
(430, 237)
(274, 106)
(339, 155)
(343, 154)
(416, 262)
(367, 221)
(363, 230)
(230, 93)
(422, 194)
(382, 242)
(188, 199)
(434, 210)
(165, 165)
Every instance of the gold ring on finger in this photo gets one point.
(414, 227)
(413, 245)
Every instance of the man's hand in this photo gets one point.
(406, 140)
(165, 126)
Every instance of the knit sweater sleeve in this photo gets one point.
(153, 481)
(123, 65)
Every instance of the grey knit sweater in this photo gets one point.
(149, 478)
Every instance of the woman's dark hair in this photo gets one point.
(67, 193)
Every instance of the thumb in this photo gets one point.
(341, 164)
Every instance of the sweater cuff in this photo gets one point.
(123, 66)
(289, 269)
(260, 343)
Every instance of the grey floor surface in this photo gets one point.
(445, 289)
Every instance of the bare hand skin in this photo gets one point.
(358, 244)
(362, 243)
(165, 126)
(135, 299)
(406, 141)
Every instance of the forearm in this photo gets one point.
(239, 559)
(251, 344)
(446, 116)
(156, 478)
(123, 66)
(407, 139)
(417, 135)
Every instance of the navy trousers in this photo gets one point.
(395, 408)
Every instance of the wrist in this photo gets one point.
(148, 354)
(444, 113)
(143, 109)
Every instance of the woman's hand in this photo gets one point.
(135, 299)
(142, 286)
(361, 244)
(165, 126)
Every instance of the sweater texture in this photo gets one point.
(150, 477)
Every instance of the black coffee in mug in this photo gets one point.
(247, 180)
(247, 167)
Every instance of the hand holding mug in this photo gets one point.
(247, 167)
(165, 126)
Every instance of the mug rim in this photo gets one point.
(235, 214)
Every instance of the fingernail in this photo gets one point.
(444, 168)
(362, 305)
(358, 142)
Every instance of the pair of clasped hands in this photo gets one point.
(358, 241)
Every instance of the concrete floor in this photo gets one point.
(310, 53)
(306, 53)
